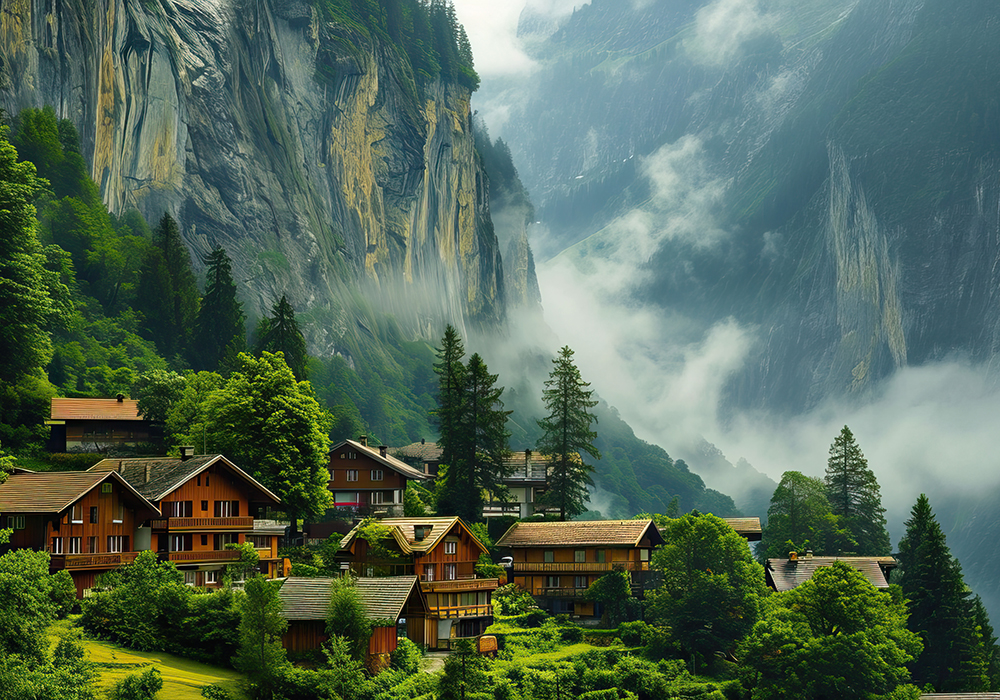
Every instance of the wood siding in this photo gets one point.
(348, 458)
(94, 536)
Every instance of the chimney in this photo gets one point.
(121, 466)
(422, 441)
(121, 398)
(187, 452)
(382, 449)
(527, 464)
(793, 556)
(148, 468)
(363, 439)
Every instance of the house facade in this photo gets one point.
(89, 425)
(206, 503)
(442, 553)
(88, 522)
(556, 561)
(368, 480)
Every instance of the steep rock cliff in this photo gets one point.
(302, 147)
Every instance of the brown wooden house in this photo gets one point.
(557, 561)
(305, 603)
(443, 553)
(206, 502)
(368, 480)
(91, 425)
(88, 522)
(786, 573)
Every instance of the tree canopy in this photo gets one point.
(854, 496)
(280, 333)
(220, 330)
(800, 518)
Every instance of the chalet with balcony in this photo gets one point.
(90, 425)
(786, 573)
(88, 522)
(527, 482)
(305, 603)
(443, 553)
(557, 561)
(368, 480)
(206, 502)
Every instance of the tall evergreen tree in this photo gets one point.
(941, 612)
(221, 327)
(854, 495)
(25, 305)
(451, 383)
(280, 333)
(800, 518)
(567, 433)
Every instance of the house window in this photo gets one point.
(75, 545)
(352, 474)
(376, 498)
(178, 509)
(211, 577)
(225, 538)
(178, 543)
(206, 480)
(450, 572)
(451, 547)
(204, 506)
(189, 578)
(428, 572)
(552, 582)
(376, 475)
(259, 541)
(227, 509)
(600, 556)
(57, 545)
(580, 555)
(116, 543)
(15, 522)
(121, 513)
(93, 514)
(550, 556)
(76, 514)
(579, 581)
(643, 555)
(92, 545)
(106, 488)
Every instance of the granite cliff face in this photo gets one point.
(302, 147)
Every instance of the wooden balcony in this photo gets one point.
(92, 561)
(559, 592)
(203, 555)
(460, 585)
(211, 524)
(559, 567)
(460, 611)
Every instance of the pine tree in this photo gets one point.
(567, 433)
(451, 382)
(280, 333)
(220, 330)
(854, 496)
(800, 518)
(954, 657)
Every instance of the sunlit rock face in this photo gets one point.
(304, 148)
(822, 173)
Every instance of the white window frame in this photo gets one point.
(121, 513)
(377, 475)
(116, 544)
(15, 522)
(377, 498)
(76, 514)
(352, 474)
(451, 547)
(174, 539)
(76, 545)
(57, 545)
(428, 572)
(450, 572)
(211, 576)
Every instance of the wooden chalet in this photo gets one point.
(88, 522)
(557, 561)
(443, 553)
(527, 483)
(305, 603)
(423, 456)
(747, 528)
(90, 425)
(368, 480)
(786, 573)
(206, 502)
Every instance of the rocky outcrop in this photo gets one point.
(302, 147)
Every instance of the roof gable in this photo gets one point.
(157, 477)
(388, 460)
(383, 597)
(581, 533)
(55, 492)
(404, 532)
(785, 574)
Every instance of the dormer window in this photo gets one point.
(421, 531)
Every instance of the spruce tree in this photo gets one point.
(567, 433)
(220, 330)
(954, 657)
(800, 518)
(280, 333)
(854, 496)
(451, 383)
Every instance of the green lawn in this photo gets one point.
(183, 678)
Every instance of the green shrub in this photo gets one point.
(62, 593)
(511, 599)
(215, 692)
(137, 686)
(406, 657)
(608, 694)
(571, 634)
(634, 634)
(532, 618)
(305, 570)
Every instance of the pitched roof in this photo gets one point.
(747, 527)
(169, 473)
(527, 466)
(580, 533)
(423, 451)
(785, 574)
(403, 530)
(54, 492)
(383, 597)
(95, 409)
(387, 461)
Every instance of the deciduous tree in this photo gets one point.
(260, 655)
(567, 433)
(854, 495)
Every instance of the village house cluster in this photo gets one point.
(421, 576)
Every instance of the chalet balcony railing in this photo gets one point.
(573, 567)
(443, 612)
(560, 592)
(90, 561)
(459, 585)
(240, 523)
(203, 555)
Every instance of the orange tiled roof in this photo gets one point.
(54, 492)
(580, 533)
(403, 530)
(784, 574)
(95, 409)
